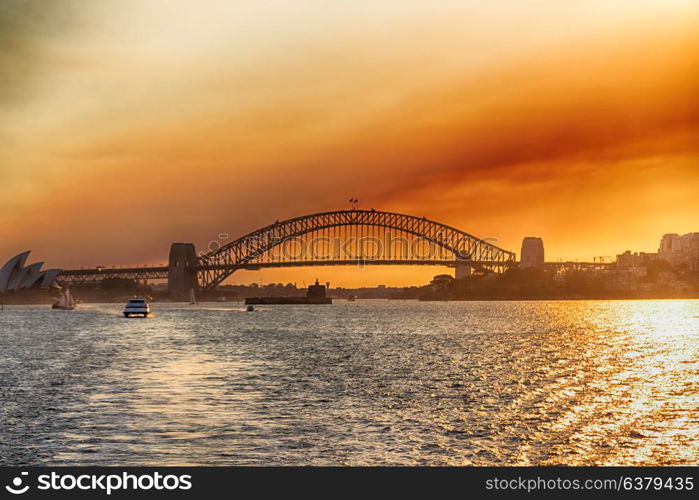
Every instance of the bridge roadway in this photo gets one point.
(161, 272)
(74, 276)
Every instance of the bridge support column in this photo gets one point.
(462, 270)
(182, 274)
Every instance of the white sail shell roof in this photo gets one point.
(12, 266)
(32, 275)
(49, 276)
(17, 278)
(14, 275)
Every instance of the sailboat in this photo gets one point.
(65, 301)
(192, 297)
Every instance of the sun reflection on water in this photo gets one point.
(371, 382)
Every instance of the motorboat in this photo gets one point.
(137, 307)
(250, 308)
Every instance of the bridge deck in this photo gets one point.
(161, 272)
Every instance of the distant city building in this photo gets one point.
(680, 250)
(628, 260)
(532, 254)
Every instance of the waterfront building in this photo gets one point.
(629, 260)
(680, 250)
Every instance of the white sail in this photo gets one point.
(65, 301)
(62, 301)
(70, 301)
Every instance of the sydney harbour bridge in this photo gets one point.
(337, 238)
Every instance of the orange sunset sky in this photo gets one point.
(127, 125)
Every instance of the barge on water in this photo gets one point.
(315, 295)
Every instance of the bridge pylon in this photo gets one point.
(182, 271)
(462, 270)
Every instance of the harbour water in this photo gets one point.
(357, 383)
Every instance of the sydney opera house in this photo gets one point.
(15, 275)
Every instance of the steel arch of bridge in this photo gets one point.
(214, 267)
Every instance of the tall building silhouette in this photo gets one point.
(680, 250)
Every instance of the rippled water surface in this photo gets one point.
(366, 382)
